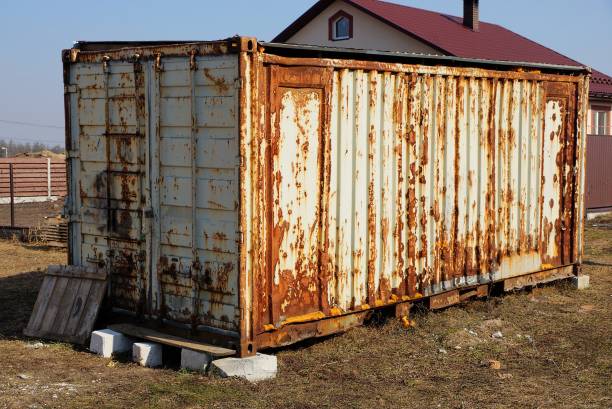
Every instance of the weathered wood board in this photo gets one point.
(68, 304)
(167, 339)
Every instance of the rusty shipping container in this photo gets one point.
(251, 195)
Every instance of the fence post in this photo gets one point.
(12, 190)
(49, 178)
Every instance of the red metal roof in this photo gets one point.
(448, 34)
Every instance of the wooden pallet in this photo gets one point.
(55, 233)
(68, 304)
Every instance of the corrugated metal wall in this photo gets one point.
(429, 181)
(435, 179)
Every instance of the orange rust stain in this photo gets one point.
(335, 311)
(220, 83)
(312, 316)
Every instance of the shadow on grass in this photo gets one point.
(17, 297)
(595, 263)
(41, 247)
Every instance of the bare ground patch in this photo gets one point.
(30, 214)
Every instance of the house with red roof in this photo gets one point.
(380, 25)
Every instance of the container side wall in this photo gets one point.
(436, 181)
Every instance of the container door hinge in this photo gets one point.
(238, 83)
(70, 88)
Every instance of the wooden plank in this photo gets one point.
(86, 320)
(76, 272)
(83, 291)
(44, 294)
(166, 339)
(52, 311)
(68, 304)
(65, 305)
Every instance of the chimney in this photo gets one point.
(470, 14)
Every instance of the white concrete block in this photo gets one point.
(581, 282)
(106, 342)
(147, 354)
(194, 360)
(592, 215)
(254, 368)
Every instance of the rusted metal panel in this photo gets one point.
(156, 148)
(197, 122)
(298, 98)
(469, 178)
(269, 198)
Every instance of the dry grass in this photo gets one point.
(555, 353)
(16, 257)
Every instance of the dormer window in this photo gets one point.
(340, 26)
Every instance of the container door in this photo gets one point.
(107, 155)
(298, 130)
(558, 174)
(126, 185)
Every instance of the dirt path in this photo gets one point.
(30, 214)
(555, 352)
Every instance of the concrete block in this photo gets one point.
(592, 215)
(106, 342)
(147, 354)
(581, 282)
(194, 360)
(254, 368)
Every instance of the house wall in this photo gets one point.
(598, 188)
(598, 105)
(367, 33)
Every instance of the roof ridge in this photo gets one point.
(543, 46)
(481, 21)
(433, 27)
(452, 16)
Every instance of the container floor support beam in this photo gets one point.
(541, 277)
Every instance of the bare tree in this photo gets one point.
(15, 148)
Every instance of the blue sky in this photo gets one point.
(32, 33)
